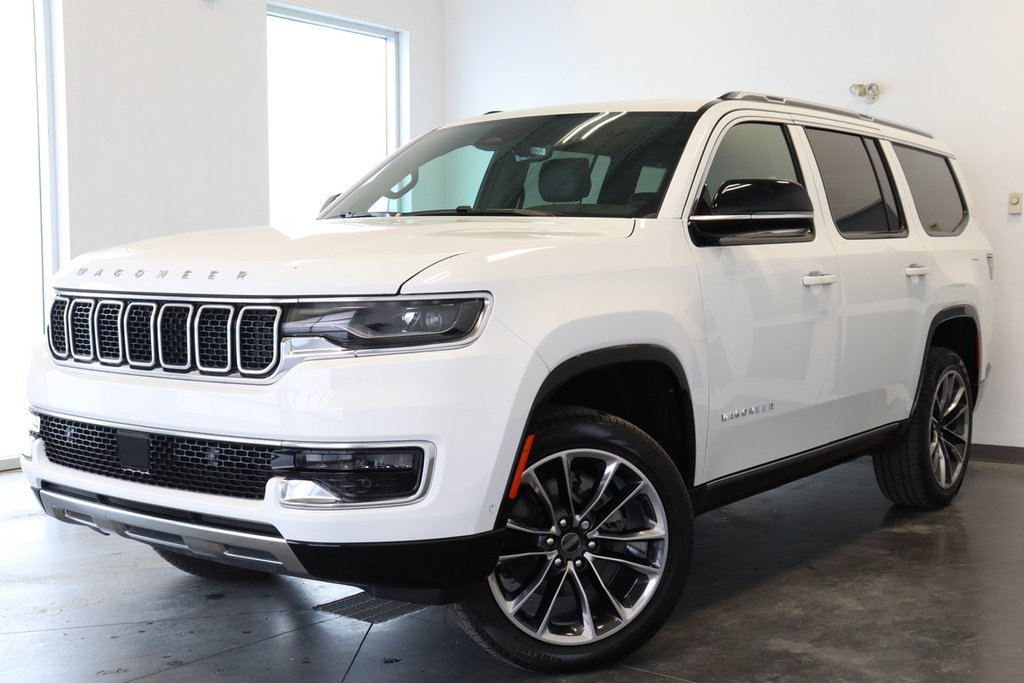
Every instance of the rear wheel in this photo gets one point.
(208, 569)
(596, 550)
(926, 467)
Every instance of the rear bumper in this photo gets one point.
(429, 571)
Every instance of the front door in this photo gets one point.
(771, 309)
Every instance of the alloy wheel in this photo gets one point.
(586, 546)
(950, 429)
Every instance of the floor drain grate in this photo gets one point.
(367, 608)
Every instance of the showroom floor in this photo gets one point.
(821, 580)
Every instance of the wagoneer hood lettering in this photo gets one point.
(339, 257)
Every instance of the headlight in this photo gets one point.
(387, 323)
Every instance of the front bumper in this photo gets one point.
(433, 571)
(469, 404)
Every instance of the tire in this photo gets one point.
(208, 569)
(926, 467)
(596, 550)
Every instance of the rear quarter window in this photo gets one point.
(940, 204)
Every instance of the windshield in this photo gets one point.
(597, 164)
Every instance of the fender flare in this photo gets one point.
(945, 315)
(593, 360)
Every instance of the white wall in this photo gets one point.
(947, 66)
(166, 117)
(20, 276)
(165, 109)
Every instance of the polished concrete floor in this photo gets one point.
(821, 580)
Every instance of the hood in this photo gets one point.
(341, 257)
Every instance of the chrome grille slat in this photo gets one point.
(228, 339)
(257, 339)
(58, 328)
(213, 338)
(140, 333)
(173, 341)
(80, 328)
(107, 332)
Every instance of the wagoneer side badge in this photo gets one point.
(746, 412)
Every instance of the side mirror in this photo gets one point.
(329, 200)
(755, 211)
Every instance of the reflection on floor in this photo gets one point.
(817, 581)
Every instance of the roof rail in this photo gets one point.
(775, 99)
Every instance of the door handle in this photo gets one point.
(914, 269)
(818, 278)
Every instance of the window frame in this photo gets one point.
(878, 159)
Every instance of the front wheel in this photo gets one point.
(597, 547)
(926, 467)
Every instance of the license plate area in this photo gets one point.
(133, 450)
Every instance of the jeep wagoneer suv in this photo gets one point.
(507, 367)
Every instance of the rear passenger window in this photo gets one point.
(857, 183)
(940, 205)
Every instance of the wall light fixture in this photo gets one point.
(868, 91)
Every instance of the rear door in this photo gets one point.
(885, 276)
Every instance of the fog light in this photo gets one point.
(302, 492)
(327, 477)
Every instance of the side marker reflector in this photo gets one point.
(513, 490)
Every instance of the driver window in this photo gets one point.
(750, 151)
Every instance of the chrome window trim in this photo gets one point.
(188, 337)
(710, 218)
(71, 333)
(96, 331)
(49, 327)
(276, 345)
(152, 334)
(228, 331)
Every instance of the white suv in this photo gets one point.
(508, 366)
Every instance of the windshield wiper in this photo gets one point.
(470, 211)
(369, 214)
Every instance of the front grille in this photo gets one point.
(176, 336)
(222, 468)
